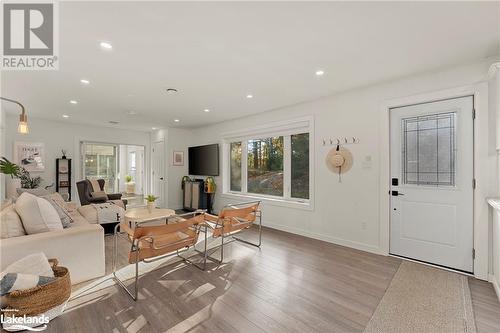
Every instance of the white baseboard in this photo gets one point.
(495, 284)
(329, 239)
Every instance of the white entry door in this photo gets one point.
(158, 172)
(432, 174)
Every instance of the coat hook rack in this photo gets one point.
(340, 141)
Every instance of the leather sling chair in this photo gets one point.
(155, 242)
(233, 219)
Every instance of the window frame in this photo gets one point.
(285, 129)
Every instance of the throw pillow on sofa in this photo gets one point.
(37, 214)
(61, 211)
(10, 223)
(39, 192)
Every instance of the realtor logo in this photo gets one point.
(29, 36)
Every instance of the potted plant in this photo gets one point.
(130, 184)
(14, 171)
(151, 202)
(27, 181)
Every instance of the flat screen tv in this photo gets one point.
(204, 160)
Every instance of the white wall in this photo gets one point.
(346, 213)
(64, 135)
(494, 94)
(176, 139)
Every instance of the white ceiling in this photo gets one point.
(217, 53)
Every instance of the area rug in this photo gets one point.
(424, 299)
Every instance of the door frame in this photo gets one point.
(82, 158)
(164, 190)
(481, 167)
(78, 140)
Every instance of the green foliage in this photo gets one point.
(9, 168)
(300, 165)
(151, 198)
(128, 178)
(265, 154)
(27, 181)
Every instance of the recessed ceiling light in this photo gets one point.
(84, 81)
(320, 72)
(172, 91)
(73, 101)
(153, 128)
(106, 45)
(65, 116)
(249, 96)
(176, 120)
(207, 110)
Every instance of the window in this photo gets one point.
(300, 166)
(235, 166)
(429, 150)
(265, 166)
(274, 166)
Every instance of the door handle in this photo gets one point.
(161, 178)
(396, 193)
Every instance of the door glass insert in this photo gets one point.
(100, 162)
(428, 149)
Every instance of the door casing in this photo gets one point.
(481, 167)
(161, 156)
(465, 186)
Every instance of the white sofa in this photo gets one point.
(79, 247)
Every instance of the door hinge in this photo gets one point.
(474, 183)
(473, 113)
(473, 253)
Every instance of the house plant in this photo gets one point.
(150, 199)
(13, 170)
(130, 184)
(27, 181)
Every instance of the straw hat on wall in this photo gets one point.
(339, 160)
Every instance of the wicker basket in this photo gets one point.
(37, 300)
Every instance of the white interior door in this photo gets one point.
(158, 172)
(432, 182)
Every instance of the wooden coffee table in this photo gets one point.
(135, 216)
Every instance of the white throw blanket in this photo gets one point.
(109, 212)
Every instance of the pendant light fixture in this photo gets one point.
(23, 118)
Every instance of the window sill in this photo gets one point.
(306, 205)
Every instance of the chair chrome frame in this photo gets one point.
(135, 247)
(219, 224)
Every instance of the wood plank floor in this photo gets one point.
(293, 284)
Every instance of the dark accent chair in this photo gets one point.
(85, 193)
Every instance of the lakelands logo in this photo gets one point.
(33, 324)
(30, 36)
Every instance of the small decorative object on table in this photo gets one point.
(151, 202)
